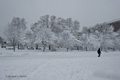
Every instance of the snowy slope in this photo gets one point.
(60, 66)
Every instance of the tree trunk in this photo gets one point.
(78, 48)
(67, 49)
(49, 47)
(36, 46)
(43, 49)
(86, 48)
(14, 44)
(14, 48)
(18, 46)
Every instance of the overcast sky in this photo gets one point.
(87, 12)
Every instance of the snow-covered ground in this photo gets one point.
(35, 65)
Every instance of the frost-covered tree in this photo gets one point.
(44, 21)
(29, 39)
(52, 22)
(117, 40)
(75, 27)
(69, 22)
(42, 32)
(106, 36)
(50, 30)
(84, 41)
(67, 40)
(45, 37)
(93, 42)
(60, 27)
(84, 38)
(98, 36)
(106, 33)
(15, 31)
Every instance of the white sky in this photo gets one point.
(87, 12)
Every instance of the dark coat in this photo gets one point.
(99, 51)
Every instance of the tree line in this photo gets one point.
(53, 32)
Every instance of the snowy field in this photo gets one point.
(35, 65)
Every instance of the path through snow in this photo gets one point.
(55, 66)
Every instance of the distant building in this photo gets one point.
(1, 40)
(115, 24)
(2, 43)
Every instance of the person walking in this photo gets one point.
(99, 52)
